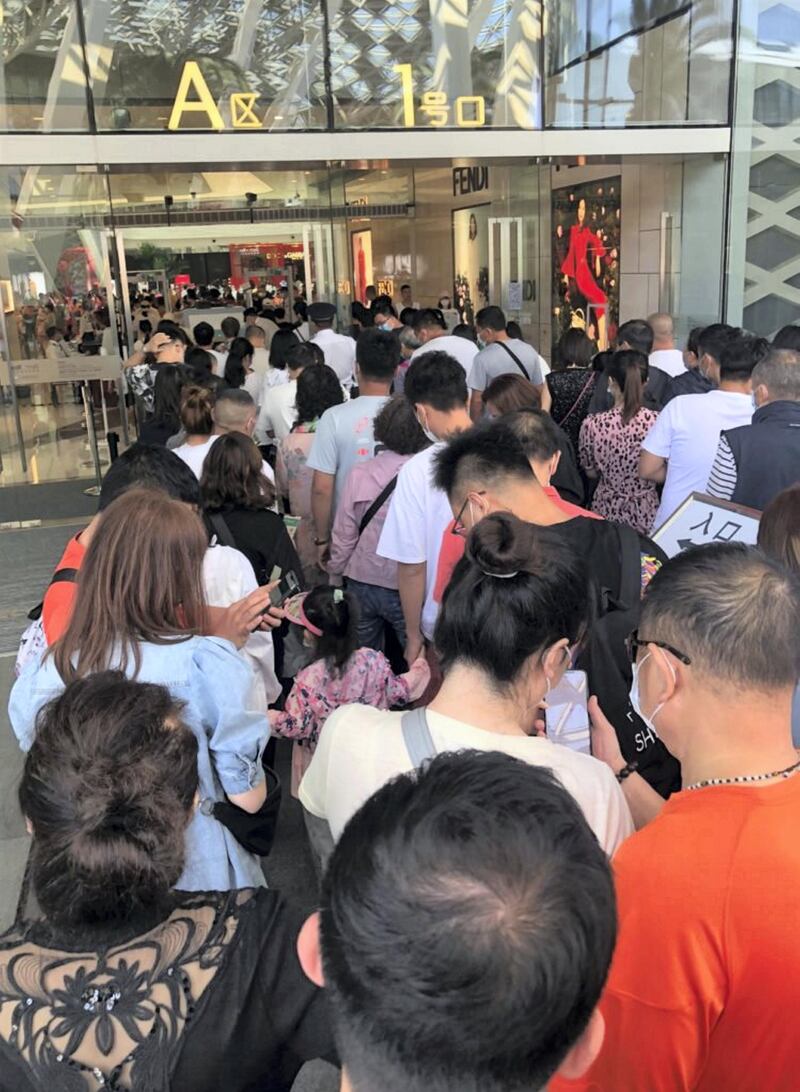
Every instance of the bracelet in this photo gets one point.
(626, 771)
(321, 541)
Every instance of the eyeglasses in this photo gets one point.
(634, 642)
(458, 525)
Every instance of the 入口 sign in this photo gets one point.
(702, 519)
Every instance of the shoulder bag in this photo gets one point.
(515, 358)
(376, 505)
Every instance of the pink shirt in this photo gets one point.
(354, 556)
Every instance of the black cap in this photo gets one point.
(321, 312)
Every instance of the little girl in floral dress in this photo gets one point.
(340, 674)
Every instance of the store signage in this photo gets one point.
(470, 180)
(702, 519)
(433, 110)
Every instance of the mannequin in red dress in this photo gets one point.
(576, 265)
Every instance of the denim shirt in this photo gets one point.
(209, 677)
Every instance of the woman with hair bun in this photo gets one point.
(197, 405)
(124, 983)
(515, 607)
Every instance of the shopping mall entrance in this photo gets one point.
(513, 233)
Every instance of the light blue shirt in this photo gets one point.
(345, 437)
(209, 677)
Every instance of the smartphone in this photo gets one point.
(287, 586)
(567, 715)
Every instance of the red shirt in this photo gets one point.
(453, 545)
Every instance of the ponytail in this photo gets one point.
(235, 371)
(629, 369)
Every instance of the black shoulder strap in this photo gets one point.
(630, 581)
(60, 576)
(376, 505)
(515, 358)
(221, 529)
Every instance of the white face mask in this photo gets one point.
(481, 342)
(434, 439)
(636, 700)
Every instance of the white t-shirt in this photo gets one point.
(220, 360)
(194, 455)
(277, 413)
(361, 748)
(418, 516)
(254, 384)
(461, 348)
(340, 353)
(260, 361)
(228, 577)
(669, 361)
(686, 433)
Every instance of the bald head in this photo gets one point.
(776, 378)
(234, 411)
(663, 331)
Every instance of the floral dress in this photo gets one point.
(367, 679)
(611, 448)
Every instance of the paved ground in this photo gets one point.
(27, 559)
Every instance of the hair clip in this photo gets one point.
(501, 576)
(338, 595)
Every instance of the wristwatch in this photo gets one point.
(321, 541)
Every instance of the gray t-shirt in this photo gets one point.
(494, 360)
(344, 437)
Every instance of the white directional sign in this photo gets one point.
(702, 519)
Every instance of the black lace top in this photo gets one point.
(571, 392)
(209, 996)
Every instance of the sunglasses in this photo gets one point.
(633, 643)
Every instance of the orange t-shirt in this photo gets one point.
(60, 598)
(704, 989)
(453, 545)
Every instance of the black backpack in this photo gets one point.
(605, 660)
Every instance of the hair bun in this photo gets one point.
(500, 545)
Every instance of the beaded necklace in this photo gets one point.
(744, 778)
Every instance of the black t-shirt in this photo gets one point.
(213, 988)
(262, 537)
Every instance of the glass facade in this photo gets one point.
(219, 65)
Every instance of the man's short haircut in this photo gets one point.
(638, 334)
(153, 468)
(788, 337)
(436, 379)
(429, 319)
(204, 334)
(733, 611)
(403, 287)
(408, 339)
(484, 455)
(779, 372)
(536, 432)
(490, 318)
(254, 331)
(661, 324)
(740, 356)
(230, 327)
(713, 339)
(407, 316)
(467, 925)
(233, 407)
(377, 355)
(51, 332)
(304, 355)
(383, 305)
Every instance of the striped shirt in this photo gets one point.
(724, 472)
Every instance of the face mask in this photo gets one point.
(384, 326)
(753, 400)
(481, 342)
(434, 439)
(636, 701)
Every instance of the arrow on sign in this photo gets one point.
(685, 543)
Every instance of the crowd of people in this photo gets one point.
(400, 547)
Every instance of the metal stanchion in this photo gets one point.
(88, 409)
(112, 439)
